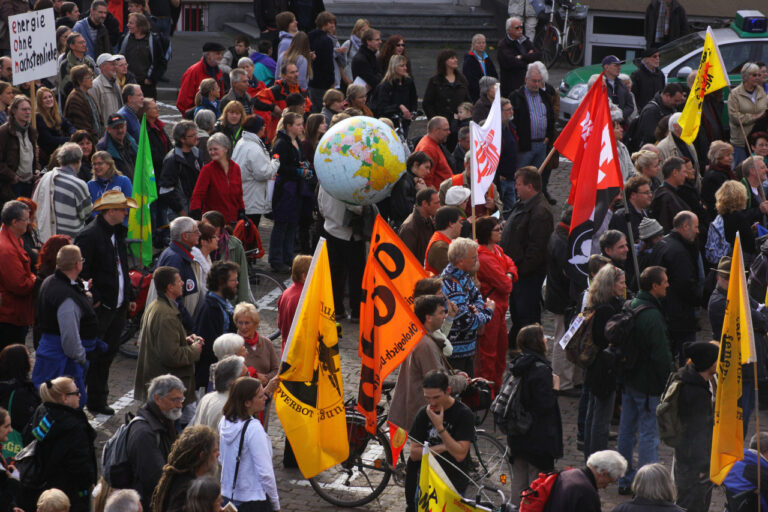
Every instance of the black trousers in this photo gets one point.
(11, 334)
(347, 262)
(111, 323)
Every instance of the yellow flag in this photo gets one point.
(710, 77)
(737, 347)
(436, 492)
(310, 398)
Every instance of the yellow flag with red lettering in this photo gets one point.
(389, 329)
(436, 492)
(710, 77)
(737, 347)
(310, 398)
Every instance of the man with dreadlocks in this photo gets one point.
(195, 453)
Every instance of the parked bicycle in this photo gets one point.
(365, 474)
(565, 32)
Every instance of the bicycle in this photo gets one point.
(364, 475)
(265, 287)
(550, 39)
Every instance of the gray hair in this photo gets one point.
(181, 225)
(238, 74)
(749, 165)
(533, 68)
(460, 248)
(124, 500)
(674, 119)
(181, 129)
(227, 345)
(12, 210)
(164, 384)
(542, 69)
(69, 154)
(205, 119)
(226, 371)
(654, 483)
(486, 83)
(221, 140)
(510, 20)
(763, 442)
(608, 461)
(476, 38)
(244, 60)
(748, 68)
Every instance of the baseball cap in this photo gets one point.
(115, 120)
(612, 59)
(106, 57)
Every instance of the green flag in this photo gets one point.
(144, 192)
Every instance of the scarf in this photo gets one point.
(254, 341)
(480, 60)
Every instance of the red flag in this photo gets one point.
(588, 141)
(397, 438)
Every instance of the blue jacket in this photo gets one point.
(179, 258)
(459, 288)
(743, 477)
(134, 125)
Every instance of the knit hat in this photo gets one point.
(703, 354)
(213, 46)
(649, 228)
(456, 195)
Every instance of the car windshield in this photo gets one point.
(669, 53)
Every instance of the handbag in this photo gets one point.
(14, 443)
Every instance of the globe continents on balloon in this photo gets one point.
(359, 160)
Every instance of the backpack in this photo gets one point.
(509, 413)
(671, 430)
(581, 349)
(30, 467)
(535, 497)
(716, 246)
(116, 468)
(619, 332)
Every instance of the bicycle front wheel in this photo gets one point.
(363, 476)
(575, 43)
(549, 41)
(490, 468)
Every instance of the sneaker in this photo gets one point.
(104, 409)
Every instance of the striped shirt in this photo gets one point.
(71, 202)
(538, 113)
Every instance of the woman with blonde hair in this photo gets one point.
(746, 104)
(731, 205)
(300, 54)
(352, 44)
(720, 170)
(207, 97)
(231, 121)
(396, 95)
(647, 164)
(52, 129)
(53, 500)
(107, 177)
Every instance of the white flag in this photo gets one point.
(485, 145)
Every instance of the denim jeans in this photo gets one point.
(534, 157)
(508, 195)
(597, 424)
(581, 419)
(637, 423)
(281, 243)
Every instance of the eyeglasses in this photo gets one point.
(72, 393)
(400, 45)
(82, 260)
(518, 27)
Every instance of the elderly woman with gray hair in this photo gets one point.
(653, 489)
(225, 372)
(746, 104)
(219, 186)
(477, 64)
(576, 490)
(487, 91)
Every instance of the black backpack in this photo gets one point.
(619, 331)
(116, 468)
(509, 412)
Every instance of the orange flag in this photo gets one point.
(397, 438)
(389, 329)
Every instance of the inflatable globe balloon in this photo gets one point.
(359, 160)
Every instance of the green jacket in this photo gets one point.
(655, 361)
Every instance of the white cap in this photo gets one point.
(107, 57)
(456, 195)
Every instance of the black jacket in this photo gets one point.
(481, 109)
(387, 97)
(178, 178)
(621, 97)
(697, 415)
(678, 21)
(544, 441)
(649, 118)
(209, 324)
(322, 66)
(523, 117)
(508, 157)
(557, 296)
(638, 504)
(713, 179)
(646, 83)
(49, 139)
(25, 401)
(600, 377)
(148, 445)
(399, 204)
(68, 452)
(514, 58)
(365, 66)
(101, 260)
(741, 221)
(265, 11)
(666, 204)
(443, 98)
(680, 258)
(473, 72)
(526, 234)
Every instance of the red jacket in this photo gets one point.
(190, 83)
(494, 267)
(441, 170)
(266, 99)
(16, 281)
(218, 191)
(286, 308)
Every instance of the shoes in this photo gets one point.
(625, 491)
(104, 409)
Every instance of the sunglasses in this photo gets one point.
(400, 45)
(518, 27)
(72, 393)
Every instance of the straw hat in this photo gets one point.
(113, 199)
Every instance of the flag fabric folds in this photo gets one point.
(485, 146)
(710, 77)
(389, 329)
(310, 398)
(737, 347)
(436, 492)
(144, 192)
(588, 141)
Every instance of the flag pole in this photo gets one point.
(546, 160)
(472, 180)
(631, 234)
(746, 142)
(757, 437)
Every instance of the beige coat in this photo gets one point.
(668, 148)
(741, 108)
(408, 396)
(107, 96)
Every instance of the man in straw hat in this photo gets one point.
(716, 311)
(102, 244)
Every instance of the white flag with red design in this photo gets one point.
(485, 148)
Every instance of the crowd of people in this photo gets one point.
(244, 151)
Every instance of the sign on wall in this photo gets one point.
(33, 45)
